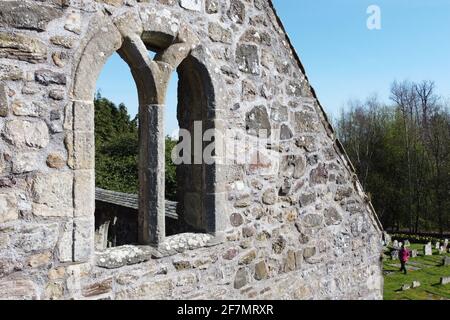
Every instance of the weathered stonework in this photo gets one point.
(294, 224)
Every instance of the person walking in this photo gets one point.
(404, 257)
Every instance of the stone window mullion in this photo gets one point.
(152, 175)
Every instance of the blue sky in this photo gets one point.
(342, 57)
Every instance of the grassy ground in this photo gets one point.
(427, 270)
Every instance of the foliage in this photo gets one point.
(401, 153)
(117, 150)
(171, 172)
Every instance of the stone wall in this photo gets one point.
(295, 224)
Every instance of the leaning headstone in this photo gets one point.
(428, 250)
(446, 261)
(406, 287)
(416, 284)
(445, 280)
(395, 244)
(407, 243)
(395, 254)
(387, 239)
(414, 254)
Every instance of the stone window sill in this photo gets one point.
(118, 257)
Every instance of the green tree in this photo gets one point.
(401, 153)
(117, 150)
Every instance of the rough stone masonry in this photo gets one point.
(295, 225)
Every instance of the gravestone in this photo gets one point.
(442, 250)
(416, 284)
(446, 243)
(387, 239)
(445, 280)
(395, 254)
(407, 243)
(428, 250)
(414, 253)
(446, 261)
(438, 245)
(406, 287)
(395, 244)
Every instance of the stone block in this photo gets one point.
(332, 216)
(257, 122)
(4, 108)
(11, 72)
(237, 12)
(84, 193)
(54, 290)
(21, 47)
(53, 189)
(65, 243)
(289, 262)
(219, 34)
(270, 197)
(312, 220)
(25, 162)
(83, 156)
(56, 94)
(47, 77)
(236, 220)
(83, 239)
(18, 289)
(261, 271)
(83, 113)
(114, 258)
(63, 41)
(26, 133)
(36, 237)
(285, 133)
(43, 210)
(306, 122)
(293, 166)
(29, 15)
(156, 290)
(247, 58)
(212, 6)
(248, 258)
(115, 3)
(97, 288)
(8, 208)
(20, 108)
(73, 23)
(39, 260)
(241, 278)
(193, 5)
(56, 161)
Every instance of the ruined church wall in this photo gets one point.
(295, 225)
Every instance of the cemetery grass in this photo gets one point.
(429, 275)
